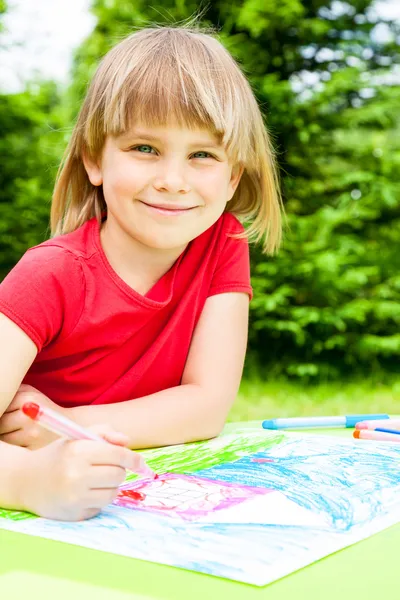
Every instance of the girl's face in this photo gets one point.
(164, 186)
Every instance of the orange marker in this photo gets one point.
(368, 434)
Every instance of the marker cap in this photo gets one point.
(354, 419)
(269, 424)
(31, 409)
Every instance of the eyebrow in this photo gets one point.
(152, 138)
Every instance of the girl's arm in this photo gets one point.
(68, 480)
(17, 352)
(13, 461)
(197, 409)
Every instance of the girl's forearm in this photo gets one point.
(13, 464)
(173, 416)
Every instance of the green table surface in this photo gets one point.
(34, 567)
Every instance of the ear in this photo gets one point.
(93, 170)
(237, 172)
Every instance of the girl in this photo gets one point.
(135, 313)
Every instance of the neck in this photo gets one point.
(138, 265)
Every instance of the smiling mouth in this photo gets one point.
(168, 209)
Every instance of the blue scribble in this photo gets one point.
(335, 479)
(356, 487)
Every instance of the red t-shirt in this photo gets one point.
(98, 340)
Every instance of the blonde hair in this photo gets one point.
(163, 73)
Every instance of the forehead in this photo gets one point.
(173, 132)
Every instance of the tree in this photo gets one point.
(29, 153)
(329, 302)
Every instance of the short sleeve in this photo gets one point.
(232, 273)
(43, 294)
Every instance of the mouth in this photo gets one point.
(168, 209)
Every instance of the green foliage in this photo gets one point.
(29, 154)
(329, 303)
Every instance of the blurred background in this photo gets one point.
(324, 327)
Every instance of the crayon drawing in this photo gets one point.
(251, 505)
(183, 496)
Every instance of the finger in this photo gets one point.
(27, 437)
(105, 477)
(14, 404)
(97, 453)
(25, 387)
(133, 461)
(137, 463)
(89, 514)
(101, 498)
(71, 514)
(116, 437)
(110, 435)
(24, 394)
(100, 453)
(16, 438)
(10, 422)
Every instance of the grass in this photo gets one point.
(258, 400)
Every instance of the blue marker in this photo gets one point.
(316, 422)
(395, 431)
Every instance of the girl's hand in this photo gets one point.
(18, 429)
(74, 480)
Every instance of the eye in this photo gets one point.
(202, 154)
(144, 149)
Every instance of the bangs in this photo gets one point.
(172, 76)
(163, 96)
(177, 77)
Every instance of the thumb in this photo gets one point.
(110, 435)
(116, 437)
(133, 461)
(136, 463)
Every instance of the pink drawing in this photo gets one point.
(185, 496)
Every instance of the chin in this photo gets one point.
(163, 243)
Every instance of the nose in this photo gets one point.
(171, 177)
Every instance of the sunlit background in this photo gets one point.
(324, 329)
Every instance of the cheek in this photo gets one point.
(122, 179)
(213, 183)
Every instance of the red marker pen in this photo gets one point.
(53, 421)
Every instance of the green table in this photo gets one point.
(38, 568)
